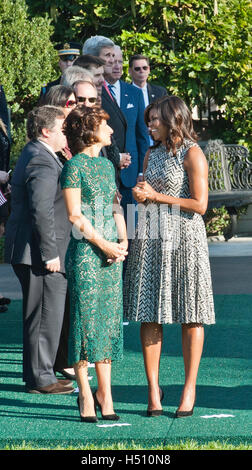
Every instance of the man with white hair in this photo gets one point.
(103, 47)
(74, 74)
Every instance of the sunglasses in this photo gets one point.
(81, 99)
(68, 57)
(70, 104)
(137, 69)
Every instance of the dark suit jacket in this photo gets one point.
(155, 92)
(116, 120)
(137, 139)
(38, 229)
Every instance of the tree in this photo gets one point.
(199, 49)
(27, 59)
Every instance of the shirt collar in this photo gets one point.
(48, 147)
(144, 88)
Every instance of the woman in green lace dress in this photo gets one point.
(94, 258)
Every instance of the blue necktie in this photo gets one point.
(112, 90)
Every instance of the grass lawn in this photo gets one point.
(187, 445)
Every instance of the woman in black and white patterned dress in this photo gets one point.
(168, 277)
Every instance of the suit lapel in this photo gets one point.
(125, 97)
(113, 104)
(151, 94)
(50, 153)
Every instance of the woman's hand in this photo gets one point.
(138, 194)
(123, 244)
(114, 252)
(145, 191)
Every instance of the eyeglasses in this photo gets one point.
(81, 99)
(70, 104)
(68, 57)
(145, 67)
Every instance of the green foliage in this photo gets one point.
(217, 220)
(27, 60)
(199, 49)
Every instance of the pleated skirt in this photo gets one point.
(168, 277)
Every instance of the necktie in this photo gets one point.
(112, 90)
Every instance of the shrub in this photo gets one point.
(27, 60)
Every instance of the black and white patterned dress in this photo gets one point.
(168, 278)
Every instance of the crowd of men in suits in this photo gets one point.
(38, 230)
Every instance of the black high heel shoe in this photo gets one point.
(112, 417)
(152, 413)
(86, 419)
(184, 414)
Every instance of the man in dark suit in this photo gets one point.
(103, 47)
(130, 100)
(37, 236)
(139, 70)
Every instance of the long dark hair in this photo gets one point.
(175, 115)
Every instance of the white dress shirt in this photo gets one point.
(117, 91)
(146, 100)
(145, 93)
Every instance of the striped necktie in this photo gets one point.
(112, 90)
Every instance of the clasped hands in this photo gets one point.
(143, 191)
(116, 252)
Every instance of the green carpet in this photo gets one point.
(224, 388)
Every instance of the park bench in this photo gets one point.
(230, 179)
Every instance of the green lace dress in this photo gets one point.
(95, 287)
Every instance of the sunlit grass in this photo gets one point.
(187, 445)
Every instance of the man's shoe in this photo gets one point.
(68, 373)
(56, 389)
(66, 383)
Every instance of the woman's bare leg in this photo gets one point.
(104, 393)
(152, 338)
(192, 346)
(85, 394)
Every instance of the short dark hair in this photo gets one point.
(57, 95)
(86, 61)
(81, 125)
(176, 116)
(138, 57)
(42, 117)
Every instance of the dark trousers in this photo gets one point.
(44, 295)
(61, 361)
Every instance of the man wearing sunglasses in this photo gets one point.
(67, 52)
(139, 70)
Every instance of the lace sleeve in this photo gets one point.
(70, 176)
